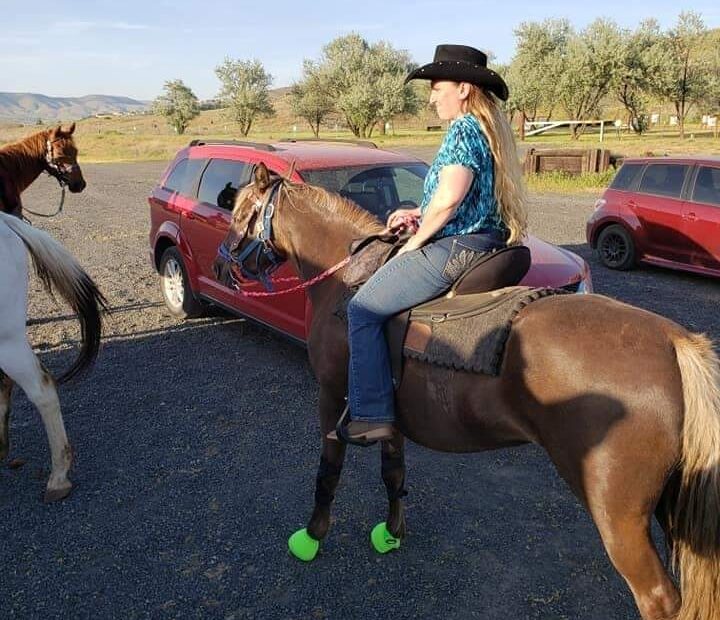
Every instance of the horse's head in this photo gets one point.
(250, 246)
(61, 158)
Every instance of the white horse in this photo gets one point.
(58, 271)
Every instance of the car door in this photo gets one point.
(206, 223)
(701, 216)
(658, 205)
(206, 226)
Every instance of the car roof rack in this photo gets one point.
(366, 143)
(260, 146)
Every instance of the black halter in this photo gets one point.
(61, 171)
(260, 246)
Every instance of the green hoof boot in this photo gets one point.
(382, 540)
(303, 546)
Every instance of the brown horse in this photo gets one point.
(52, 151)
(632, 423)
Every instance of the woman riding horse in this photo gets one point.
(473, 203)
(625, 403)
(52, 151)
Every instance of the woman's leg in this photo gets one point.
(403, 282)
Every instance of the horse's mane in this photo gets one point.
(24, 152)
(333, 205)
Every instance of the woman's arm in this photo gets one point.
(453, 184)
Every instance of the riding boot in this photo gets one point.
(365, 432)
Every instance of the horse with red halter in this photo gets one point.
(52, 151)
(630, 443)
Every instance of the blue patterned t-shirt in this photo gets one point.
(465, 144)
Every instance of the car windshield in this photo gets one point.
(379, 189)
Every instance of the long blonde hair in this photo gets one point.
(509, 184)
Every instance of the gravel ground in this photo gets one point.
(196, 446)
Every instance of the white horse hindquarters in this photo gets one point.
(22, 366)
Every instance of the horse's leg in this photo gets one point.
(304, 543)
(393, 474)
(386, 536)
(25, 369)
(627, 540)
(621, 498)
(5, 394)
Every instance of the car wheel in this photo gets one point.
(616, 248)
(175, 287)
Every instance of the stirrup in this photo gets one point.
(342, 433)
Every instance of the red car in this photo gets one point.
(190, 211)
(664, 211)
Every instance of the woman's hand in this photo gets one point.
(397, 217)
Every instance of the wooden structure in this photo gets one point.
(534, 128)
(572, 161)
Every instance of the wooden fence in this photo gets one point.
(572, 161)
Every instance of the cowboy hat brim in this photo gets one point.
(460, 71)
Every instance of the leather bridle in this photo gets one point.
(260, 246)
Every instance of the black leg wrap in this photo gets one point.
(328, 474)
(389, 465)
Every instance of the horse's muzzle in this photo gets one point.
(221, 269)
(76, 187)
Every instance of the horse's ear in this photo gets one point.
(69, 131)
(262, 177)
(54, 132)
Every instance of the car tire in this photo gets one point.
(175, 286)
(616, 248)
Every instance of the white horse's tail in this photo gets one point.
(59, 271)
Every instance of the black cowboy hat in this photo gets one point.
(461, 63)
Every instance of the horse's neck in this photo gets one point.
(321, 240)
(24, 161)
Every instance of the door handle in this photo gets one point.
(691, 216)
(189, 215)
(632, 204)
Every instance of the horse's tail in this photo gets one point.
(694, 520)
(59, 271)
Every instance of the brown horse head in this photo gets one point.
(251, 204)
(61, 158)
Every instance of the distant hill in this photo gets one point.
(29, 107)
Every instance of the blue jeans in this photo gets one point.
(403, 282)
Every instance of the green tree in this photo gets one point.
(178, 104)
(639, 64)
(685, 71)
(310, 98)
(245, 91)
(366, 81)
(534, 73)
(591, 65)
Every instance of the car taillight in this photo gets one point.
(600, 203)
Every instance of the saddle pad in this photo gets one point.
(469, 332)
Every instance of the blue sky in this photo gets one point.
(131, 47)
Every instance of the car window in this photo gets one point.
(377, 189)
(625, 178)
(221, 180)
(663, 179)
(707, 186)
(407, 185)
(184, 176)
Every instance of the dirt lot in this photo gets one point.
(196, 449)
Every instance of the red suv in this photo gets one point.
(664, 211)
(190, 211)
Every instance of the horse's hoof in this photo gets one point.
(55, 495)
(303, 546)
(382, 540)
